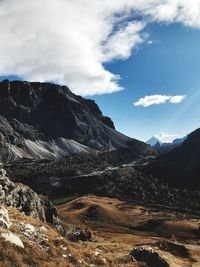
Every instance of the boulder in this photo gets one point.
(29, 229)
(149, 257)
(175, 249)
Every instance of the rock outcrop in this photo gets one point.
(21, 197)
(32, 242)
(29, 203)
(149, 257)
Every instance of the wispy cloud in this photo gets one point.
(177, 99)
(159, 99)
(69, 41)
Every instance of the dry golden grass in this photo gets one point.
(61, 252)
(119, 227)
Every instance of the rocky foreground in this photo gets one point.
(108, 232)
(31, 232)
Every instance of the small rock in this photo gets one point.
(43, 229)
(13, 239)
(104, 260)
(29, 229)
(63, 247)
(96, 253)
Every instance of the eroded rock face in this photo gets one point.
(20, 197)
(27, 201)
(43, 121)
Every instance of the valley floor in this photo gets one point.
(118, 227)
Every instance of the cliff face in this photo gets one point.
(52, 110)
(44, 120)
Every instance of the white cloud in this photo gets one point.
(69, 41)
(183, 11)
(158, 99)
(177, 99)
(165, 137)
(120, 44)
(152, 100)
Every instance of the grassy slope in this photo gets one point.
(119, 226)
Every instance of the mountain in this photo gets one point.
(178, 141)
(181, 166)
(46, 121)
(165, 147)
(43, 125)
(153, 141)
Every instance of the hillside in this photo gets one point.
(181, 166)
(118, 226)
(144, 210)
(47, 121)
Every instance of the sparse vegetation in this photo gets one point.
(60, 201)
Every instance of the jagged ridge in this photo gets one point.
(44, 120)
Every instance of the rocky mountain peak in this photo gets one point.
(27, 100)
(45, 121)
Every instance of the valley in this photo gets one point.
(119, 226)
(105, 199)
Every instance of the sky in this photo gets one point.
(138, 60)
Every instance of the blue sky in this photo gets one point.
(168, 66)
(149, 48)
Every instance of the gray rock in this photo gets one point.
(28, 229)
(27, 201)
(149, 257)
(4, 218)
(20, 197)
(38, 119)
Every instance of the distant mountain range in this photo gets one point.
(164, 147)
(153, 141)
